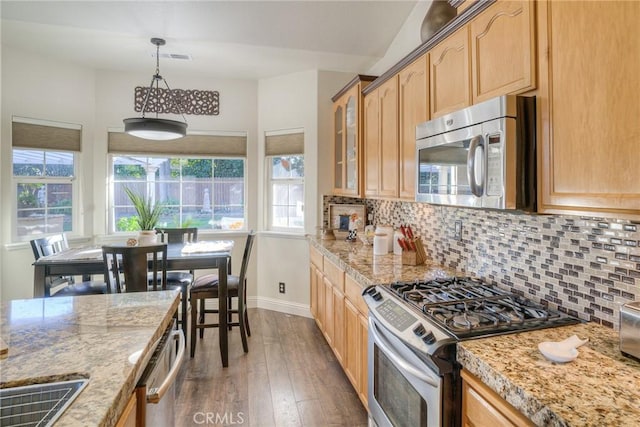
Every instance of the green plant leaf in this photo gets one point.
(148, 214)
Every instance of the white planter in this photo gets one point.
(147, 237)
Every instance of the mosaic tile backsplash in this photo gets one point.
(584, 266)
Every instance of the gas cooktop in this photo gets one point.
(467, 307)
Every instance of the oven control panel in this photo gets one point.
(409, 325)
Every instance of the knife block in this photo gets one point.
(417, 257)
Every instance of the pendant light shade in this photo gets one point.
(156, 128)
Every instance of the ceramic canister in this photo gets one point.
(388, 230)
(380, 245)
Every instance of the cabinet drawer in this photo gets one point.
(481, 406)
(334, 273)
(315, 256)
(353, 291)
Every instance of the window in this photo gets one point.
(200, 179)
(285, 169)
(44, 169)
(207, 192)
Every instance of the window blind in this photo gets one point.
(209, 145)
(284, 144)
(44, 136)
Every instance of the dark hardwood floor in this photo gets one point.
(290, 377)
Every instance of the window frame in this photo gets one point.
(270, 201)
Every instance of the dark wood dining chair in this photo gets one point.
(128, 268)
(206, 287)
(63, 285)
(180, 279)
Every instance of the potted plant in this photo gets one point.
(148, 216)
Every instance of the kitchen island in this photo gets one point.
(94, 337)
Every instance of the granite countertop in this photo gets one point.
(601, 387)
(358, 260)
(55, 339)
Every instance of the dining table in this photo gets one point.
(83, 261)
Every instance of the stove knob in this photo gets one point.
(371, 290)
(419, 330)
(376, 296)
(429, 338)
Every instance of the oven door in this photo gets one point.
(403, 390)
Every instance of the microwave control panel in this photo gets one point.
(495, 168)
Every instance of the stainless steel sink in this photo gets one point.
(37, 404)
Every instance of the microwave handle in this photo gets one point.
(476, 188)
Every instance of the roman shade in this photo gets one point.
(284, 144)
(229, 145)
(42, 135)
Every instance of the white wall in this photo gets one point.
(407, 39)
(299, 100)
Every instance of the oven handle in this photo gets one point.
(476, 188)
(386, 348)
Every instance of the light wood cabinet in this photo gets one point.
(352, 350)
(449, 74)
(341, 315)
(481, 406)
(347, 140)
(134, 414)
(338, 325)
(589, 132)
(313, 291)
(328, 319)
(503, 50)
(363, 342)
(381, 136)
(413, 84)
(371, 144)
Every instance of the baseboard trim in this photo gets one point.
(278, 305)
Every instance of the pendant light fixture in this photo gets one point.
(156, 128)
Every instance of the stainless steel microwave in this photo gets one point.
(483, 156)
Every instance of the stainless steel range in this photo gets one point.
(413, 328)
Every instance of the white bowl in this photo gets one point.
(557, 352)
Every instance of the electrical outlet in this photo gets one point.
(281, 287)
(457, 233)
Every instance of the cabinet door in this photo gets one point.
(320, 299)
(313, 291)
(388, 121)
(505, 30)
(338, 325)
(450, 83)
(338, 147)
(352, 149)
(481, 406)
(352, 346)
(364, 351)
(328, 311)
(588, 104)
(414, 109)
(371, 143)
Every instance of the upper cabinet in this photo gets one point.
(502, 50)
(347, 142)
(414, 109)
(589, 132)
(381, 140)
(450, 83)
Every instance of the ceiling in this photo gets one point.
(226, 39)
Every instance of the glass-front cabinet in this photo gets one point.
(347, 147)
